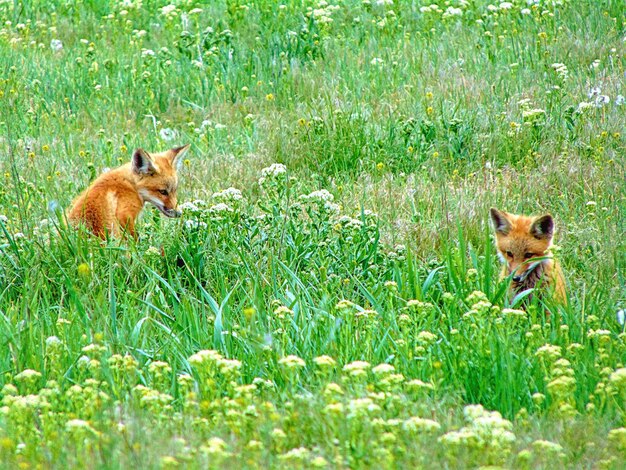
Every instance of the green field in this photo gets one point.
(340, 307)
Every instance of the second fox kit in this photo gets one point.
(111, 204)
(520, 241)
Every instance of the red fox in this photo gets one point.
(111, 204)
(522, 242)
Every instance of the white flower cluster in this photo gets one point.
(228, 195)
(323, 13)
(486, 431)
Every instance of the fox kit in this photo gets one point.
(111, 204)
(522, 242)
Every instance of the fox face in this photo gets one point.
(520, 240)
(156, 178)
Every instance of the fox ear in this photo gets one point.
(142, 164)
(501, 223)
(176, 155)
(542, 227)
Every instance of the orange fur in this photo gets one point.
(111, 204)
(520, 240)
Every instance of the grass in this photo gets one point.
(415, 120)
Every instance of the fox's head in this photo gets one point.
(521, 239)
(156, 178)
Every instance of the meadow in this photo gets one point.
(330, 297)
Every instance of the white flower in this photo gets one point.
(525, 11)
(452, 11)
(3, 218)
(188, 206)
(506, 6)
(601, 101)
(384, 2)
(220, 208)
(292, 362)
(168, 134)
(621, 316)
(318, 196)
(620, 100)
(193, 223)
(56, 45)
(382, 369)
(168, 9)
(52, 341)
(594, 91)
(583, 106)
(230, 194)
(147, 53)
(376, 61)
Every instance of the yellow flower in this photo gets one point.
(81, 153)
(269, 97)
(429, 96)
(31, 155)
(429, 110)
(45, 148)
(543, 35)
(123, 148)
(435, 154)
(249, 312)
(380, 166)
(83, 270)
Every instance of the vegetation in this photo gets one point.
(330, 297)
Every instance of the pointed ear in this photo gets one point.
(176, 155)
(542, 227)
(501, 222)
(142, 163)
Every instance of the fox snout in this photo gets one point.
(518, 270)
(173, 213)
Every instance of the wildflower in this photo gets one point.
(28, 376)
(325, 361)
(618, 378)
(168, 10)
(167, 134)
(188, 206)
(601, 100)
(275, 171)
(231, 195)
(56, 45)
(620, 100)
(220, 209)
(292, 362)
(621, 316)
(83, 270)
(377, 61)
(383, 369)
(159, 368)
(452, 11)
(356, 368)
(79, 425)
(418, 425)
(417, 384)
(320, 196)
(549, 352)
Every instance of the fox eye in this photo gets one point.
(163, 191)
(528, 255)
(509, 254)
